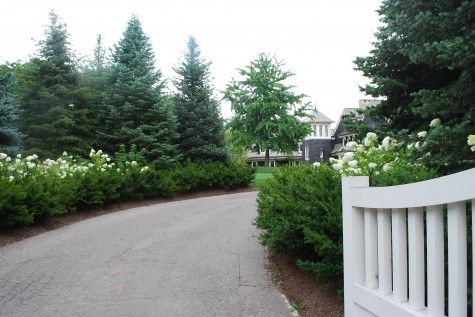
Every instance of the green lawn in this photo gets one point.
(262, 174)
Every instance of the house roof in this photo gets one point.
(317, 116)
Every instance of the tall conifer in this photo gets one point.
(200, 125)
(137, 111)
(10, 137)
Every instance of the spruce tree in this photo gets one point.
(137, 111)
(10, 137)
(49, 100)
(199, 123)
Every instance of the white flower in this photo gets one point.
(417, 145)
(11, 178)
(360, 148)
(316, 164)
(3, 156)
(351, 145)
(65, 153)
(387, 167)
(333, 160)
(472, 148)
(353, 164)
(372, 165)
(133, 163)
(18, 156)
(410, 146)
(17, 161)
(371, 136)
(8, 159)
(422, 134)
(376, 173)
(386, 143)
(30, 164)
(99, 152)
(428, 154)
(434, 123)
(348, 157)
(108, 159)
(471, 139)
(337, 167)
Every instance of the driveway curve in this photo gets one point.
(197, 257)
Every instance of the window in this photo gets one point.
(320, 130)
(321, 154)
(306, 152)
(326, 130)
(314, 130)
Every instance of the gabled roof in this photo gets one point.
(317, 116)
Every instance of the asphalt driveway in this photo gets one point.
(196, 257)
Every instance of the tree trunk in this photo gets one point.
(266, 162)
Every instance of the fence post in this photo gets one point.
(353, 240)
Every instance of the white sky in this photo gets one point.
(317, 39)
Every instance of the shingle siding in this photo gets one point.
(314, 146)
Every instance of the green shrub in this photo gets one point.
(31, 190)
(299, 208)
(299, 213)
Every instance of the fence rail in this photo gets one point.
(393, 243)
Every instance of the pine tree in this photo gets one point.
(48, 93)
(199, 123)
(92, 84)
(10, 137)
(137, 111)
(423, 64)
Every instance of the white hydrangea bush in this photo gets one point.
(387, 162)
(30, 167)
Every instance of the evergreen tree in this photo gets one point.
(423, 62)
(92, 84)
(48, 95)
(137, 111)
(199, 123)
(10, 137)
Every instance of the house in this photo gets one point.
(322, 143)
(341, 135)
(317, 146)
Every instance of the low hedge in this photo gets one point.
(31, 190)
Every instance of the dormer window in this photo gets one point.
(320, 130)
(326, 130)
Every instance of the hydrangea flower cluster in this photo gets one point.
(371, 157)
(18, 168)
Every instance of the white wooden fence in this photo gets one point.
(386, 253)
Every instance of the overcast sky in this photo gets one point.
(317, 39)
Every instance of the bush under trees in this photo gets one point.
(300, 211)
(31, 189)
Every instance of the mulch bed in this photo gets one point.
(310, 297)
(12, 235)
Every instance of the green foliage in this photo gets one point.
(31, 190)
(48, 96)
(267, 111)
(299, 213)
(423, 63)
(10, 137)
(262, 175)
(136, 111)
(299, 208)
(199, 123)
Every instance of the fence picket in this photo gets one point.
(399, 235)
(435, 260)
(457, 254)
(384, 251)
(415, 220)
(371, 248)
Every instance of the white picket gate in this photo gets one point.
(385, 259)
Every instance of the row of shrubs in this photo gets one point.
(299, 208)
(31, 190)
